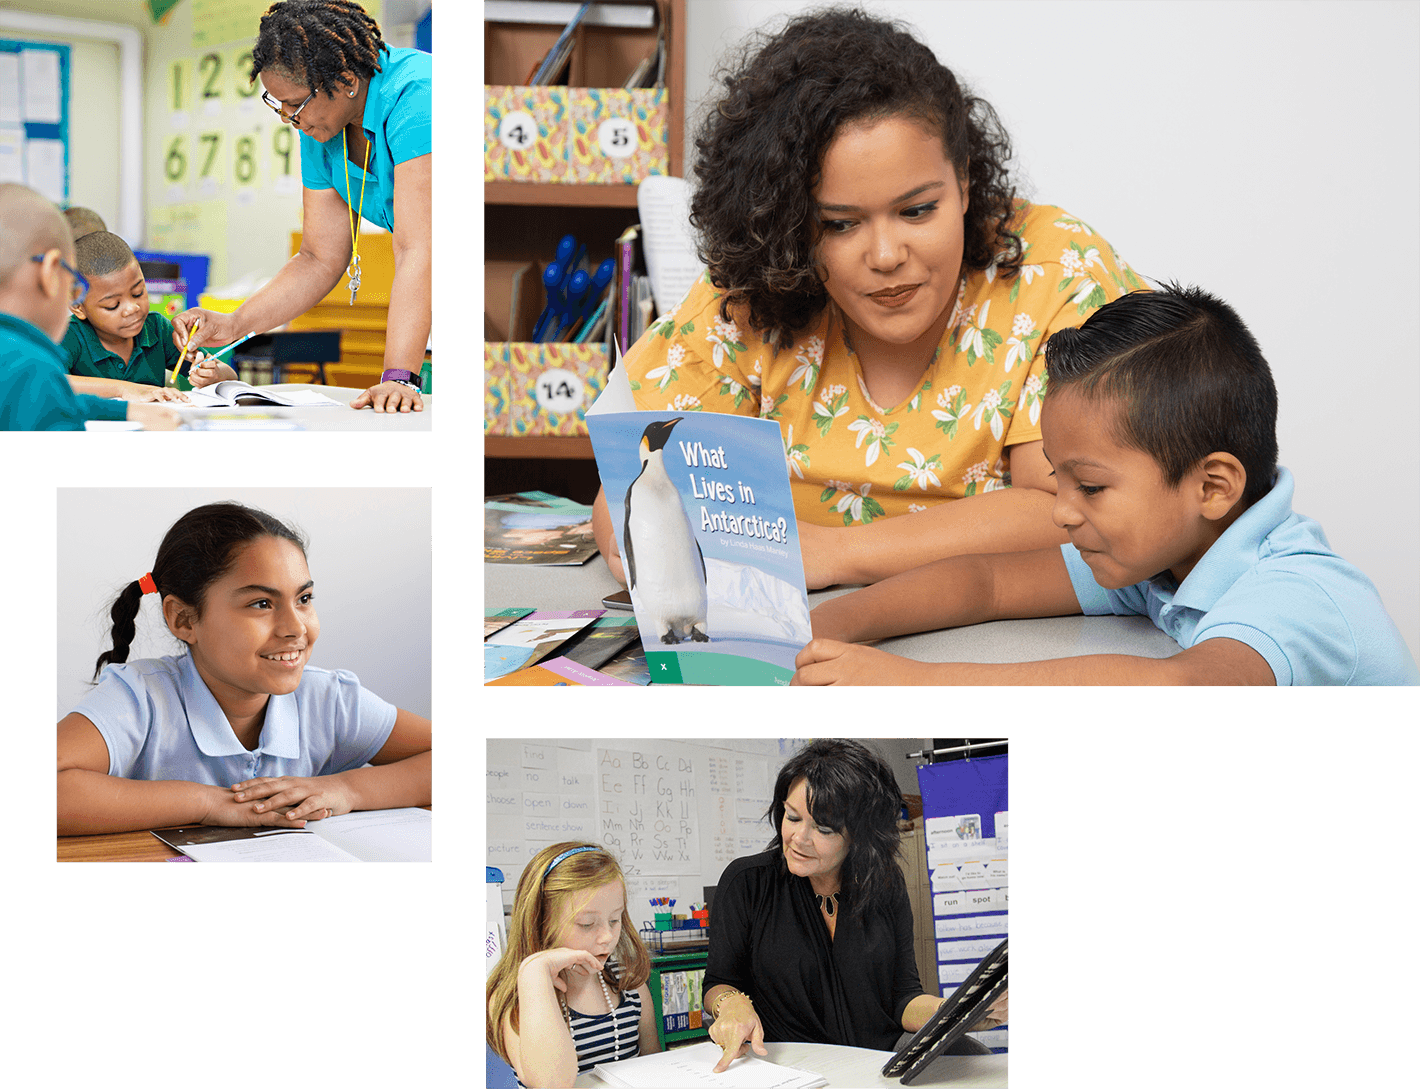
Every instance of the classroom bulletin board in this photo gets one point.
(34, 116)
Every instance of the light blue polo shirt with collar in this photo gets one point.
(160, 721)
(398, 122)
(1270, 581)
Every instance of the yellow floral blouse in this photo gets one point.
(850, 460)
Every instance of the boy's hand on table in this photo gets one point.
(154, 417)
(139, 392)
(827, 661)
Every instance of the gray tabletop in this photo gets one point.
(511, 585)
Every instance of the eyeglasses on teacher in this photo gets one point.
(290, 118)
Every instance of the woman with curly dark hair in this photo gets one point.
(812, 940)
(874, 284)
(364, 113)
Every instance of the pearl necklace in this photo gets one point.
(615, 1027)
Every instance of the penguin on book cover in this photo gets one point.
(663, 559)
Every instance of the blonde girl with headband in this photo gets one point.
(570, 990)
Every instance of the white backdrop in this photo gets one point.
(374, 626)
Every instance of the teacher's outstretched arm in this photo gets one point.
(302, 282)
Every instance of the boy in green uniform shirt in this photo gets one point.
(37, 284)
(115, 346)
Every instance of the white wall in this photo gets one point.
(379, 630)
(1269, 152)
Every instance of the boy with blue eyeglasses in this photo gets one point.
(38, 283)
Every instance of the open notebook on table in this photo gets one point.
(692, 1066)
(375, 835)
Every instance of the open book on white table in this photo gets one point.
(233, 392)
(692, 1066)
(375, 835)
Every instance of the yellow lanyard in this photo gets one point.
(355, 216)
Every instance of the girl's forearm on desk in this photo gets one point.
(92, 803)
(391, 786)
(546, 1053)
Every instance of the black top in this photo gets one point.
(768, 939)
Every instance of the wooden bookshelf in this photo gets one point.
(524, 220)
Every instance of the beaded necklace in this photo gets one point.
(615, 1026)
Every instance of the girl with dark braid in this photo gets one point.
(364, 113)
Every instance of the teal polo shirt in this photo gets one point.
(398, 122)
(1270, 581)
(35, 394)
(154, 352)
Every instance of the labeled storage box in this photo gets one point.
(541, 389)
(578, 135)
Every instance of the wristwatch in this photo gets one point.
(404, 378)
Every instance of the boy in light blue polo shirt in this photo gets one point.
(1160, 426)
(1272, 582)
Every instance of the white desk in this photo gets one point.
(326, 417)
(859, 1068)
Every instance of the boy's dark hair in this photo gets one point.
(762, 144)
(84, 221)
(850, 789)
(101, 252)
(1189, 378)
(199, 549)
(318, 41)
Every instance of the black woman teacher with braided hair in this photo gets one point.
(812, 940)
(364, 113)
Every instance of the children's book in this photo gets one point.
(705, 522)
(601, 641)
(234, 392)
(559, 673)
(498, 619)
(535, 636)
(376, 835)
(535, 531)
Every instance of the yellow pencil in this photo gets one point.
(190, 334)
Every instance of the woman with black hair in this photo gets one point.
(812, 940)
(874, 285)
(364, 114)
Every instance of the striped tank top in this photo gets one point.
(594, 1038)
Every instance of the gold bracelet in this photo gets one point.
(721, 1001)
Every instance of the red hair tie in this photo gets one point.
(147, 585)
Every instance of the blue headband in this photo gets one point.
(566, 854)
